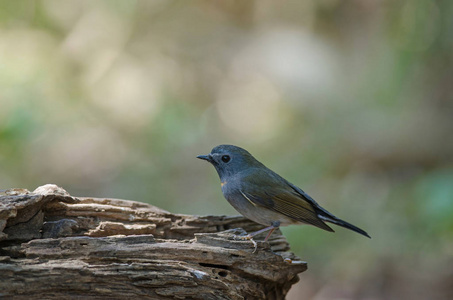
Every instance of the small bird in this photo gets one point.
(265, 197)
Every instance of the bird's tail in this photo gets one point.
(344, 224)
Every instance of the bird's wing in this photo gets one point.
(274, 193)
(319, 210)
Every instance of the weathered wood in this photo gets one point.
(54, 246)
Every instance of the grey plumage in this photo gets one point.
(265, 197)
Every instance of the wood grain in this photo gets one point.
(55, 246)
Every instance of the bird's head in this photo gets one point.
(229, 160)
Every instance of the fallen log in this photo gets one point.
(55, 246)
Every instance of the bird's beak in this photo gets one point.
(205, 157)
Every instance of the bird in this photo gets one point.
(263, 196)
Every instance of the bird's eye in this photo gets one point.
(226, 158)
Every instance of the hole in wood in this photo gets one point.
(214, 266)
(223, 273)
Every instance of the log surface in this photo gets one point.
(55, 246)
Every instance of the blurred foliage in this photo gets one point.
(350, 100)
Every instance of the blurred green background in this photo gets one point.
(350, 100)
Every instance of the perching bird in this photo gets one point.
(265, 197)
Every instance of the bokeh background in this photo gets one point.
(350, 100)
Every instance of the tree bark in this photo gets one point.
(55, 246)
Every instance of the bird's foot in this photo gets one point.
(248, 237)
(255, 244)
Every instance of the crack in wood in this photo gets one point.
(111, 248)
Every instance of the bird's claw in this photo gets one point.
(249, 238)
(254, 244)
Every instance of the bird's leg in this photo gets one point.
(269, 234)
(274, 226)
(271, 229)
